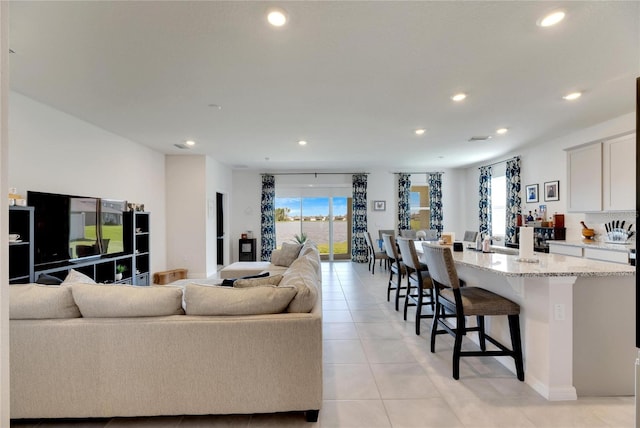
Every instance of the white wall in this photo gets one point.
(192, 182)
(547, 162)
(4, 218)
(51, 151)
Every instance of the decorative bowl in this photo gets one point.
(588, 233)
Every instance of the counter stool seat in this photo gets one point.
(456, 301)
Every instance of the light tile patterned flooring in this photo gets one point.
(378, 373)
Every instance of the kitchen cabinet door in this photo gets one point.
(619, 174)
(584, 176)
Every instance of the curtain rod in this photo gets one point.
(313, 173)
(496, 163)
(420, 172)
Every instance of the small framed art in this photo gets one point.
(532, 193)
(552, 191)
(379, 205)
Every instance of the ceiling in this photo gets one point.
(353, 78)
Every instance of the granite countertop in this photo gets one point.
(587, 243)
(547, 265)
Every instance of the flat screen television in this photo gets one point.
(70, 228)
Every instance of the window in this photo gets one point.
(498, 206)
(419, 206)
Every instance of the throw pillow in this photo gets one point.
(45, 279)
(228, 282)
(33, 301)
(286, 254)
(75, 277)
(114, 301)
(237, 301)
(254, 282)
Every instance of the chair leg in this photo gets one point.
(434, 327)
(389, 285)
(516, 345)
(457, 349)
(481, 334)
(418, 311)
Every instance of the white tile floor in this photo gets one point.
(378, 373)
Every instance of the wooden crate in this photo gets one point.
(169, 276)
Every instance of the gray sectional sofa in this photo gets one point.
(82, 351)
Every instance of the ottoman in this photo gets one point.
(240, 269)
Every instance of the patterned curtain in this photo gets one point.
(268, 217)
(404, 210)
(513, 198)
(359, 251)
(435, 201)
(485, 201)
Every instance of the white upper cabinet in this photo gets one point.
(602, 176)
(584, 178)
(619, 174)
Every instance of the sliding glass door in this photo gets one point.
(324, 220)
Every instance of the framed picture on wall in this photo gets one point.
(532, 193)
(379, 205)
(552, 191)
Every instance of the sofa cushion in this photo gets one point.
(229, 282)
(34, 301)
(266, 299)
(286, 254)
(303, 276)
(114, 301)
(254, 282)
(75, 277)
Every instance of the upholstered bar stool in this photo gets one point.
(375, 255)
(397, 268)
(419, 286)
(454, 301)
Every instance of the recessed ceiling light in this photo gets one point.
(551, 19)
(302, 143)
(190, 143)
(459, 97)
(216, 106)
(420, 131)
(277, 17)
(572, 96)
(501, 131)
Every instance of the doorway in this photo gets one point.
(220, 228)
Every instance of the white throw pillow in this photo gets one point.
(35, 301)
(286, 254)
(303, 276)
(115, 301)
(75, 277)
(265, 299)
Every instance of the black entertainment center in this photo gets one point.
(94, 236)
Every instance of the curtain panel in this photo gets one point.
(359, 251)
(513, 199)
(268, 217)
(485, 201)
(404, 209)
(435, 202)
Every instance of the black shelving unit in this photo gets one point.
(21, 252)
(136, 257)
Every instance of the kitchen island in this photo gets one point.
(577, 319)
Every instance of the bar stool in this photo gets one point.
(375, 255)
(454, 301)
(419, 285)
(397, 268)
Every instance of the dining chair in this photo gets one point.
(375, 255)
(419, 286)
(455, 301)
(397, 268)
